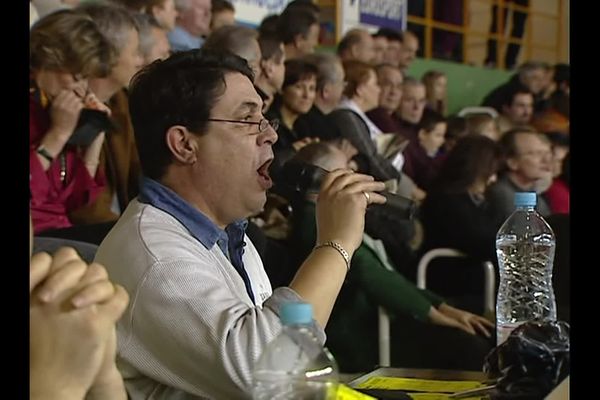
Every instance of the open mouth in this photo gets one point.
(263, 175)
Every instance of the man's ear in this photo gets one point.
(325, 91)
(266, 67)
(298, 40)
(512, 163)
(182, 144)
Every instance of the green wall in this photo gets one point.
(467, 85)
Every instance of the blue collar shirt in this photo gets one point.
(230, 241)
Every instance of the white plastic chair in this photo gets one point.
(478, 110)
(488, 270)
(383, 317)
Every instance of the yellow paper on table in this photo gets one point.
(347, 393)
(418, 385)
(438, 396)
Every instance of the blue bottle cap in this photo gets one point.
(525, 199)
(296, 313)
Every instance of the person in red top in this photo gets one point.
(559, 192)
(66, 48)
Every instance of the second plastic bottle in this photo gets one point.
(295, 365)
(525, 248)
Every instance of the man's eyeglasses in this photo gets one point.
(263, 124)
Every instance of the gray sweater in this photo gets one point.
(191, 330)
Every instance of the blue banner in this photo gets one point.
(383, 13)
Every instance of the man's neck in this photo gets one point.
(360, 103)
(323, 106)
(288, 117)
(291, 52)
(189, 29)
(190, 194)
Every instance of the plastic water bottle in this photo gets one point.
(295, 365)
(525, 248)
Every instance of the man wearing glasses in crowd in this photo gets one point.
(202, 308)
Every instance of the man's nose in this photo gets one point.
(269, 135)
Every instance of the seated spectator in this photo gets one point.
(457, 129)
(297, 98)
(436, 86)
(559, 99)
(530, 75)
(426, 331)
(222, 14)
(408, 50)
(380, 44)
(456, 214)
(118, 158)
(204, 309)
(558, 193)
(517, 112)
(483, 124)
(163, 12)
(356, 45)
(66, 48)
(330, 84)
(239, 40)
(154, 44)
(412, 106)
(528, 160)
(389, 79)
(360, 95)
(305, 5)
(268, 26)
(272, 68)
(298, 28)
(393, 50)
(192, 26)
(423, 158)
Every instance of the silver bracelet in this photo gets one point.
(340, 250)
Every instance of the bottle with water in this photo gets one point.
(295, 365)
(525, 248)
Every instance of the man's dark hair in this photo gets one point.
(180, 90)
(298, 69)
(270, 48)
(390, 34)
(236, 39)
(430, 119)
(305, 5)
(473, 157)
(513, 92)
(508, 141)
(221, 5)
(457, 127)
(293, 22)
(268, 26)
(351, 38)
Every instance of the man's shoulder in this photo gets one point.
(144, 230)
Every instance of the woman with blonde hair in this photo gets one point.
(436, 84)
(65, 49)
